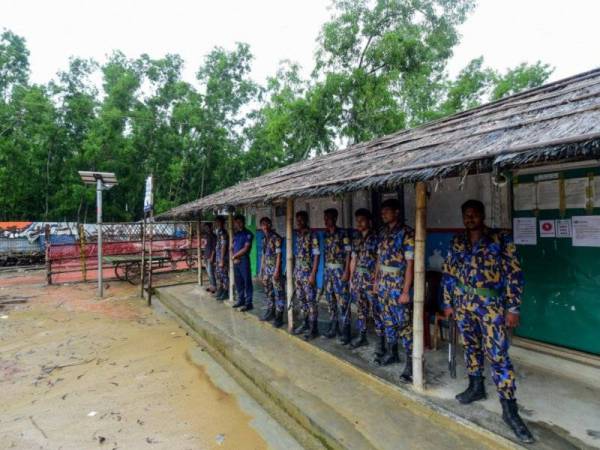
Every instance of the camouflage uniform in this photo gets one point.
(364, 250)
(337, 247)
(222, 274)
(481, 282)
(273, 288)
(306, 248)
(396, 248)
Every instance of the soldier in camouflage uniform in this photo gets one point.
(306, 264)
(270, 273)
(362, 288)
(482, 286)
(395, 271)
(337, 274)
(222, 260)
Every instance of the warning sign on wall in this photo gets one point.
(547, 228)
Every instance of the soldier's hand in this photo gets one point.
(448, 312)
(345, 277)
(311, 279)
(221, 265)
(276, 276)
(512, 320)
(404, 298)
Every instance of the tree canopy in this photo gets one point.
(380, 66)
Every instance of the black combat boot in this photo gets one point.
(346, 334)
(380, 349)
(238, 304)
(391, 356)
(475, 391)
(269, 315)
(333, 330)
(510, 415)
(278, 322)
(407, 373)
(304, 326)
(360, 341)
(313, 330)
(218, 293)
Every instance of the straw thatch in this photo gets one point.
(560, 120)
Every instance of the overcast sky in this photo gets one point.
(563, 33)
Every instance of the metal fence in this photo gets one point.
(128, 251)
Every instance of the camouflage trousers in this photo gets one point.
(274, 290)
(222, 276)
(367, 302)
(337, 295)
(481, 323)
(305, 293)
(397, 318)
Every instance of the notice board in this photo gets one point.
(561, 300)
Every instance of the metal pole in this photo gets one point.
(199, 254)
(289, 261)
(48, 262)
(99, 225)
(419, 285)
(231, 274)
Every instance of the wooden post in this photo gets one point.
(199, 251)
(190, 230)
(231, 274)
(143, 266)
(289, 261)
(151, 238)
(82, 255)
(48, 262)
(419, 285)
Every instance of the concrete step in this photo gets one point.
(334, 404)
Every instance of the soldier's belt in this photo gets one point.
(362, 270)
(334, 266)
(391, 269)
(481, 292)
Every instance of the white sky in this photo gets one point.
(506, 32)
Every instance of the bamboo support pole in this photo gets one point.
(143, 266)
(151, 238)
(289, 261)
(419, 285)
(231, 274)
(199, 251)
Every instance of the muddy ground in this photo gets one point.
(77, 372)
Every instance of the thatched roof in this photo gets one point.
(560, 120)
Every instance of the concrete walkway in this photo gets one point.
(341, 406)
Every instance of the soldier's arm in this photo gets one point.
(512, 273)
(448, 278)
(348, 251)
(409, 254)
(278, 258)
(316, 254)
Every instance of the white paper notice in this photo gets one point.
(547, 228)
(576, 192)
(524, 194)
(547, 195)
(563, 228)
(525, 230)
(586, 231)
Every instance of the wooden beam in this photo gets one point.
(289, 261)
(419, 286)
(199, 250)
(231, 274)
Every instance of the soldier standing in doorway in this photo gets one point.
(362, 277)
(270, 271)
(483, 285)
(306, 264)
(337, 274)
(242, 243)
(222, 260)
(395, 273)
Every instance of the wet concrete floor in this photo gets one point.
(78, 372)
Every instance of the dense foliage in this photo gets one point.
(380, 66)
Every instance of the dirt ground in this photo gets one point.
(77, 372)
